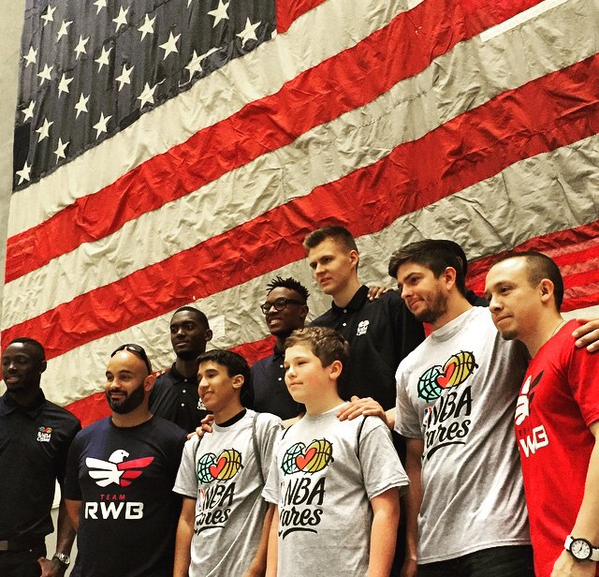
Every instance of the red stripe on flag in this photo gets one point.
(428, 31)
(288, 11)
(494, 139)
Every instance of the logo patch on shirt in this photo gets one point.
(362, 328)
(44, 434)
(116, 470)
(222, 468)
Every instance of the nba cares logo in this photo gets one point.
(454, 372)
(308, 459)
(222, 468)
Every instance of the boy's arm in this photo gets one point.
(184, 536)
(73, 509)
(257, 567)
(272, 556)
(415, 449)
(383, 533)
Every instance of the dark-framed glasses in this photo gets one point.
(279, 304)
(138, 351)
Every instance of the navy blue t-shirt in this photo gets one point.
(124, 478)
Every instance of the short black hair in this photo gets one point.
(436, 255)
(337, 233)
(540, 266)
(235, 365)
(288, 283)
(33, 343)
(202, 318)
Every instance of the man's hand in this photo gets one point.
(587, 336)
(366, 406)
(376, 292)
(205, 427)
(567, 566)
(409, 568)
(51, 567)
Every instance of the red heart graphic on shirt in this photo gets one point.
(215, 470)
(444, 378)
(303, 461)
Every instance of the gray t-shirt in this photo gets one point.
(457, 391)
(322, 479)
(224, 477)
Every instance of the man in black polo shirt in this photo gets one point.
(35, 435)
(285, 310)
(380, 332)
(175, 396)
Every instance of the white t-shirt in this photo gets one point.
(457, 391)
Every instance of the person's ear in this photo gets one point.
(208, 335)
(546, 290)
(336, 368)
(150, 381)
(238, 381)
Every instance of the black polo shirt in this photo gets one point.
(270, 391)
(34, 443)
(380, 333)
(176, 399)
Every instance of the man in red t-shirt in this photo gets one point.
(557, 416)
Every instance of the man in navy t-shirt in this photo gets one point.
(120, 473)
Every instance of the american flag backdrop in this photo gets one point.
(173, 152)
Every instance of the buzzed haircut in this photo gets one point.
(288, 283)
(327, 344)
(33, 343)
(540, 266)
(235, 365)
(338, 233)
(435, 255)
(200, 316)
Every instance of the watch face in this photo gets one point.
(581, 549)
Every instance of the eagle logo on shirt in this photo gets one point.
(526, 397)
(117, 470)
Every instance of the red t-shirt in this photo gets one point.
(558, 402)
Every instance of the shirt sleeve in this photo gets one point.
(186, 483)
(71, 488)
(381, 467)
(271, 491)
(407, 421)
(583, 376)
(61, 462)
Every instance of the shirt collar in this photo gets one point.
(178, 376)
(356, 303)
(8, 405)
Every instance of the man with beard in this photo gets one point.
(120, 475)
(35, 435)
(285, 310)
(175, 395)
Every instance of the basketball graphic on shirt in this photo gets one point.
(454, 372)
(222, 468)
(311, 459)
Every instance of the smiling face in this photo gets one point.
(189, 335)
(333, 265)
(282, 323)
(217, 389)
(22, 367)
(425, 295)
(127, 382)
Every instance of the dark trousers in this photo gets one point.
(511, 561)
(21, 563)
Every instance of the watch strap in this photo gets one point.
(62, 558)
(594, 550)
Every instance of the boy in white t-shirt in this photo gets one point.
(335, 483)
(224, 523)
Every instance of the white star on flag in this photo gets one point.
(100, 126)
(63, 85)
(48, 16)
(64, 28)
(125, 77)
(121, 19)
(249, 32)
(80, 48)
(103, 59)
(99, 4)
(44, 130)
(219, 13)
(170, 45)
(147, 95)
(31, 56)
(147, 27)
(81, 106)
(60, 149)
(28, 112)
(195, 64)
(45, 73)
(25, 173)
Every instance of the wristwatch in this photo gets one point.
(63, 559)
(581, 549)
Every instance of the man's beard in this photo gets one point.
(437, 309)
(130, 403)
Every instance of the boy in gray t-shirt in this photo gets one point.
(335, 483)
(224, 522)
